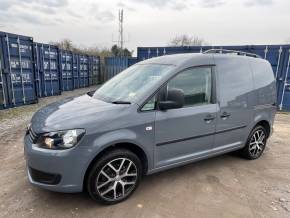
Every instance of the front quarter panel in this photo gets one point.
(139, 130)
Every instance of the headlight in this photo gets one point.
(61, 139)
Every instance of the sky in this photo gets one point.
(149, 22)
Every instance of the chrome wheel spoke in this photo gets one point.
(106, 175)
(107, 190)
(121, 165)
(123, 188)
(129, 183)
(115, 190)
(112, 167)
(103, 184)
(128, 168)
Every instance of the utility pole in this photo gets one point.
(121, 31)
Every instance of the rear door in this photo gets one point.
(187, 133)
(234, 84)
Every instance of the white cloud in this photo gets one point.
(258, 3)
(148, 22)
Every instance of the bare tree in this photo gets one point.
(67, 44)
(186, 40)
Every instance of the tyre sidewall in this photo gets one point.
(114, 154)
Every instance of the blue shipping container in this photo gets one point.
(66, 70)
(115, 65)
(47, 72)
(94, 70)
(17, 85)
(132, 61)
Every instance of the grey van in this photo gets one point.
(158, 114)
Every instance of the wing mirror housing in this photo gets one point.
(91, 93)
(175, 99)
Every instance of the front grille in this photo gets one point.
(43, 177)
(33, 136)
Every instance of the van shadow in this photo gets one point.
(148, 187)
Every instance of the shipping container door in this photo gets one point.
(97, 70)
(86, 71)
(38, 73)
(51, 70)
(18, 63)
(47, 70)
(66, 70)
(76, 78)
(84, 79)
(93, 70)
(3, 82)
(90, 64)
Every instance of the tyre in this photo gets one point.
(256, 143)
(114, 177)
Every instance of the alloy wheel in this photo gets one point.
(257, 143)
(116, 179)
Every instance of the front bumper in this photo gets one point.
(69, 165)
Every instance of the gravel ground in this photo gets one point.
(225, 186)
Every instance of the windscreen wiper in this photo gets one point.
(121, 102)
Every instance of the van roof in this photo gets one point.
(180, 59)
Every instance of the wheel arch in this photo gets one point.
(266, 125)
(136, 149)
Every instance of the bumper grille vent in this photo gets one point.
(33, 136)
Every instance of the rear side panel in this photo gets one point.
(17, 70)
(264, 90)
(47, 70)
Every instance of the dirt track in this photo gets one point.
(226, 186)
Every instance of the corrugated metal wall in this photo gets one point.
(114, 65)
(277, 55)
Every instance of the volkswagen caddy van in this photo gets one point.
(158, 114)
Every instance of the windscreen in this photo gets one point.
(130, 84)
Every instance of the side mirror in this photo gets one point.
(91, 93)
(175, 99)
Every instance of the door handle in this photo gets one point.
(209, 118)
(225, 115)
